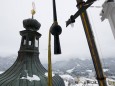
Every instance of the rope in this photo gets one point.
(49, 61)
(96, 6)
(88, 3)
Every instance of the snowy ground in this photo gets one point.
(80, 84)
(1, 72)
(81, 81)
(69, 81)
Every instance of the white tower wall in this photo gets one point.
(108, 12)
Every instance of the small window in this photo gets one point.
(24, 42)
(30, 42)
(36, 43)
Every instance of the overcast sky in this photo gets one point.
(73, 39)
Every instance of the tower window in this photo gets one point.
(24, 42)
(36, 43)
(30, 42)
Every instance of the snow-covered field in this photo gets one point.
(83, 81)
(80, 84)
(1, 72)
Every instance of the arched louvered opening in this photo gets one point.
(36, 42)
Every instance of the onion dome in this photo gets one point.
(27, 69)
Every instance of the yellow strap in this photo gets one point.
(49, 61)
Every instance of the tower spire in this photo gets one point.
(33, 10)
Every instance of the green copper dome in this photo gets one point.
(27, 69)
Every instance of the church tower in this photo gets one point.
(27, 69)
(108, 12)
